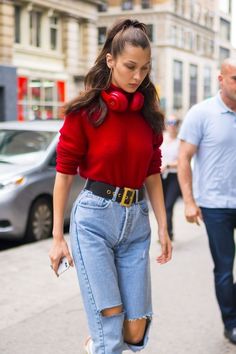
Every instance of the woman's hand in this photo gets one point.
(166, 247)
(59, 250)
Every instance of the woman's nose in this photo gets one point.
(137, 75)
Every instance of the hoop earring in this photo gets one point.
(108, 80)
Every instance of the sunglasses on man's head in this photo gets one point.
(171, 122)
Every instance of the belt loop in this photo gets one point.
(136, 196)
(115, 194)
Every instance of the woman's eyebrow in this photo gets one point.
(134, 62)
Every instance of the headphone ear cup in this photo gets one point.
(137, 101)
(116, 101)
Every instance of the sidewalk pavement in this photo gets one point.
(42, 314)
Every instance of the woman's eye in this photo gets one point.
(130, 67)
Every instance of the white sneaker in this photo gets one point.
(88, 346)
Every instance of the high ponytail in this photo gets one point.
(125, 31)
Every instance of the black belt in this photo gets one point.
(125, 196)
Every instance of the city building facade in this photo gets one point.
(46, 48)
(189, 40)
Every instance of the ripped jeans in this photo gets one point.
(110, 246)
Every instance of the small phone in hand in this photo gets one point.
(63, 266)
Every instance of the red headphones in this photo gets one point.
(117, 101)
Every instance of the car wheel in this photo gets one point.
(40, 220)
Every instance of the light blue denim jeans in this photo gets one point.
(110, 246)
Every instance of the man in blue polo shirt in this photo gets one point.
(209, 134)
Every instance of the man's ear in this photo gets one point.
(220, 78)
(109, 60)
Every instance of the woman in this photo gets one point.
(113, 131)
(170, 151)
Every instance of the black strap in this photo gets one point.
(125, 196)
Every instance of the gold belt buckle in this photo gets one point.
(125, 196)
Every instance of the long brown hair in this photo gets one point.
(99, 77)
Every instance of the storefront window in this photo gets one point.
(48, 90)
(47, 112)
(35, 90)
(40, 99)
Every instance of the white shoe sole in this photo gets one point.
(88, 346)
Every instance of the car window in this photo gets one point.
(52, 161)
(23, 146)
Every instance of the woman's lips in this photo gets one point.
(133, 85)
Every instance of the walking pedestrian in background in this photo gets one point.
(209, 134)
(113, 132)
(170, 152)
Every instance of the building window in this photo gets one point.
(192, 85)
(192, 9)
(35, 28)
(178, 84)
(225, 6)
(207, 82)
(40, 99)
(17, 24)
(208, 47)
(146, 4)
(176, 3)
(150, 32)
(224, 53)
(174, 35)
(102, 7)
(181, 37)
(179, 7)
(102, 35)
(189, 40)
(211, 20)
(224, 29)
(54, 32)
(198, 43)
(127, 5)
(197, 12)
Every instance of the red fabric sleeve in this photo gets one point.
(72, 145)
(155, 164)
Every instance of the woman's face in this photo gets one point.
(130, 68)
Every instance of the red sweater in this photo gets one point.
(122, 151)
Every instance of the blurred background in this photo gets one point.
(46, 48)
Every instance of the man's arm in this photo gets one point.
(186, 152)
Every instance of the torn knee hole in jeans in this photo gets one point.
(112, 311)
(145, 317)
